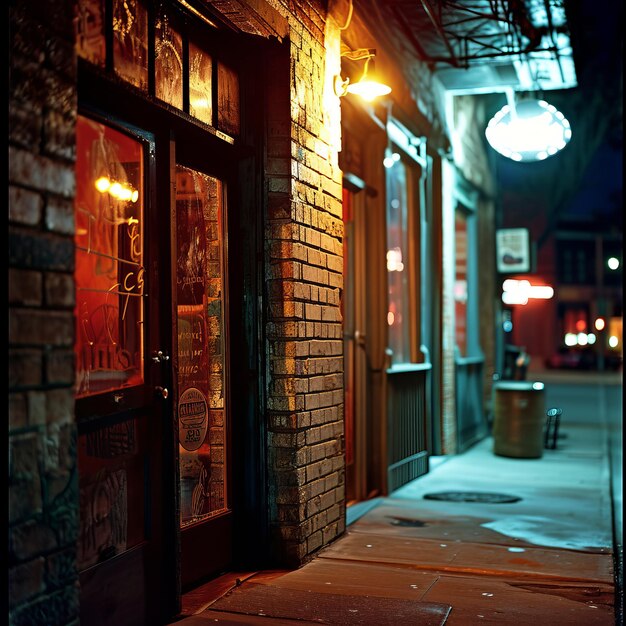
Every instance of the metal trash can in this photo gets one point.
(519, 419)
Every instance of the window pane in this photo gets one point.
(200, 353)
(397, 260)
(200, 84)
(168, 61)
(111, 482)
(90, 43)
(577, 261)
(130, 41)
(109, 269)
(460, 281)
(227, 100)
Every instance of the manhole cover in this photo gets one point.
(472, 496)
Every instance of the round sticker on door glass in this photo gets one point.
(193, 418)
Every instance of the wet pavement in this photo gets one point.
(546, 557)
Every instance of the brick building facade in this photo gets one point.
(302, 278)
(282, 297)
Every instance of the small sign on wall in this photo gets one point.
(513, 250)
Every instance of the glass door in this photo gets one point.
(200, 374)
(121, 398)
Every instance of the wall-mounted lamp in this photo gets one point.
(368, 86)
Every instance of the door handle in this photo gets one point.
(160, 356)
(162, 392)
(359, 337)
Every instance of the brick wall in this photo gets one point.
(304, 276)
(43, 515)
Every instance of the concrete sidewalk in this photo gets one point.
(545, 559)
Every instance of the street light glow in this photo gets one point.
(571, 339)
(613, 263)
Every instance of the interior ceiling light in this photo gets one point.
(529, 130)
(368, 86)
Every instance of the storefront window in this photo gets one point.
(460, 281)
(397, 263)
(111, 485)
(227, 100)
(200, 337)
(200, 84)
(110, 297)
(110, 275)
(168, 62)
(90, 43)
(130, 42)
(185, 75)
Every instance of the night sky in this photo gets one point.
(584, 181)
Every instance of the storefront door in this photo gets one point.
(152, 360)
(355, 365)
(168, 291)
(200, 373)
(123, 401)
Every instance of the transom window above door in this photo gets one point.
(156, 47)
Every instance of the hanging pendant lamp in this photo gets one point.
(528, 130)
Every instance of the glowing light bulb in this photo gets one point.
(115, 190)
(369, 89)
(103, 184)
(125, 193)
